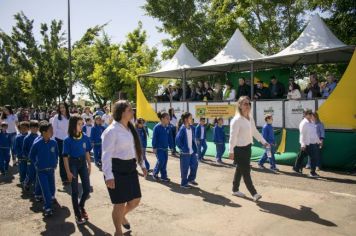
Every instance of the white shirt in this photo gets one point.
(174, 121)
(85, 116)
(60, 127)
(107, 119)
(308, 134)
(232, 94)
(294, 94)
(88, 133)
(202, 132)
(190, 140)
(117, 142)
(11, 122)
(242, 132)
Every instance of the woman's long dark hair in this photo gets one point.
(171, 113)
(9, 108)
(119, 108)
(72, 127)
(59, 110)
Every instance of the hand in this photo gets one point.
(89, 169)
(144, 171)
(154, 151)
(266, 145)
(70, 176)
(110, 183)
(231, 156)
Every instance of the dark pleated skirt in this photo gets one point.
(127, 185)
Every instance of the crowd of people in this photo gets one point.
(118, 142)
(202, 91)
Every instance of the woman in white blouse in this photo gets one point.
(60, 124)
(242, 132)
(121, 151)
(294, 92)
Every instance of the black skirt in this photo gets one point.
(127, 185)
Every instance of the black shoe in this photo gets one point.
(48, 212)
(186, 186)
(193, 183)
(84, 213)
(38, 198)
(155, 177)
(80, 220)
(166, 180)
(127, 226)
(297, 171)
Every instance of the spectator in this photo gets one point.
(327, 89)
(294, 92)
(276, 88)
(193, 93)
(244, 89)
(260, 91)
(198, 94)
(229, 93)
(313, 89)
(292, 80)
(209, 95)
(218, 93)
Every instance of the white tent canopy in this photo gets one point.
(182, 60)
(237, 49)
(316, 44)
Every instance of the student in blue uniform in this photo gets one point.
(161, 140)
(142, 134)
(268, 135)
(76, 148)
(219, 139)
(22, 160)
(200, 135)
(95, 138)
(87, 127)
(5, 145)
(44, 155)
(31, 171)
(185, 141)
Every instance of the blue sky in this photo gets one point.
(123, 16)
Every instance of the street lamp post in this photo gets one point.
(70, 59)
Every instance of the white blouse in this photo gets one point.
(117, 142)
(60, 127)
(11, 120)
(242, 132)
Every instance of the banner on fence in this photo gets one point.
(275, 108)
(214, 111)
(294, 112)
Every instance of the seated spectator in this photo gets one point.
(193, 93)
(209, 96)
(313, 89)
(327, 88)
(198, 94)
(243, 89)
(294, 91)
(260, 91)
(276, 88)
(229, 93)
(218, 93)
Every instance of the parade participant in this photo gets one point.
(242, 132)
(188, 152)
(200, 135)
(161, 141)
(219, 139)
(121, 152)
(77, 162)
(44, 155)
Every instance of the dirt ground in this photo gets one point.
(291, 205)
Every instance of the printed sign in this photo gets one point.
(275, 108)
(294, 111)
(213, 111)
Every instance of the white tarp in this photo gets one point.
(182, 60)
(294, 111)
(236, 50)
(275, 108)
(316, 44)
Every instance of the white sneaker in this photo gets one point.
(256, 197)
(238, 194)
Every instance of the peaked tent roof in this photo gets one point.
(316, 44)
(182, 60)
(237, 49)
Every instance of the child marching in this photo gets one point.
(200, 135)
(22, 160)
(219, 139)
(143, 133)
(95, 138)
(185, 141)
(5, 145)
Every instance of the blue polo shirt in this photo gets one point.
(76, 147)
(44, 154)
